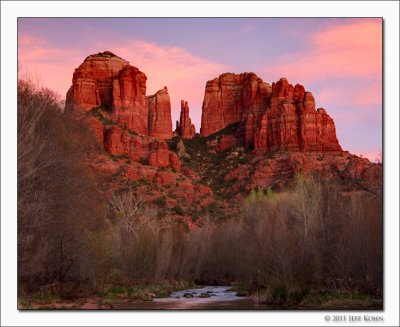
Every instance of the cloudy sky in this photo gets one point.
(338, 60)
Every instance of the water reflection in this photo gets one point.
(206, 298)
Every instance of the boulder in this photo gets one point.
(159, 157)
(188, 295)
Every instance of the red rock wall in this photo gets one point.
(277, 116)
(230, 98)
(291, 122)
(92, 82)
(119, 142)
(129, 99)
(159, 108)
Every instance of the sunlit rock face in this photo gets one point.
(159, 109)
(271, 117)
(110, 82)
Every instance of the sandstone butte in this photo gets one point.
(184, 128)
(107, 81)
(117, 90)
(269, 117)
(266, 133)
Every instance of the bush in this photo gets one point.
(178, 209)
(161, 201)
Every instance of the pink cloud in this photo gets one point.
(370, 95)
(184, 73)
(52, 66)
(350, 54)
(356, 94)
(350, 50)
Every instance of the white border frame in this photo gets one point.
(389, 10)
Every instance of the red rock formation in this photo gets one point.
(272, 117)
(120, 142)
(160, 156)
(107, 81)
(280, 169)
(137, 171)
(129, 99)
(164, 178)
(117, 141)
(92, 82)
(230, 98)
(250, 129)
(261, 134)
(185, 128)
(223, 142)
(159, 108)
(174, 161)
(291, 122)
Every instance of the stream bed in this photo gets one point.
(205, 298)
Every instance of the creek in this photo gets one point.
(205, 298)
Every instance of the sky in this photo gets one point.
(338, 59)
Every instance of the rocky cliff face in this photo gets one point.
(230, 98)
(119, 142)
(159, 109)
(184, 128)
(270, 117)
(107, 81)
(92, 82)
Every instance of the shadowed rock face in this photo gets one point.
(272, 117)
(105, 80)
